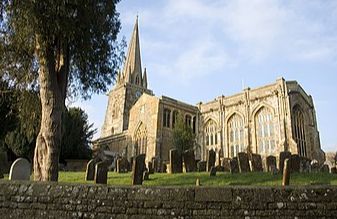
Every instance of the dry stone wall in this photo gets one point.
(58, 200)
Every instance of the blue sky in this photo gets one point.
(196, 50)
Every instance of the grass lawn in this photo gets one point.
(222, 179)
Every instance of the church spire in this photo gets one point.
(133, 66)
(145, 79)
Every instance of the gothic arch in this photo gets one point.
(299, 129)
(235, 134)
(230, 115)
(211, 136)
(262, 105)
(140, 139)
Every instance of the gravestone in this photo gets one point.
(131, 163)
(213, 171)
(334, 170)
(20, 170)
(243, 162)
(201, 166)
(146, 175)
(138, 168)
(90, 172)
(122, 165)
(197, 182)
(325, 168)
(155, 164)
(211, 159)
(314, 166)
(226, 164)
(271, 163)
(101, 172)
(295, 163)
(305, 166)
(150, 167)
(189, 161)
(257, 163)
(175, 162)
(283, 155)
(286, 172)
(163, 168)
(234, 165)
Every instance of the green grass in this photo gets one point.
(222, 179)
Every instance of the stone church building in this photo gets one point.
(267, 120)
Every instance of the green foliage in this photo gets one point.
(183, 137)
(77, 135)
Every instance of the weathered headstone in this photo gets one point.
(325, 168)
(243, 162)
(213, 171)
(334, 170)
(220, 168)
(271, 163)
(201, 166)
(305, 166)
(138, 168)
(163, 168)
(146, 175)
(20, 170)
(234, 165)
(101, 172)
(175, 162)
(226, 164)
(286, 172)
(295, 163)
(150, 167)
(283, 155)
(189, 161)
(314, 166)
(122, 165)
(155, 164)
(257, 163)
(211, 159)
(90, 172)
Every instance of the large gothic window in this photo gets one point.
(140, 139)
(236, 135)
(299, 131)
(210, 133)
(166, 118)
(265, 135)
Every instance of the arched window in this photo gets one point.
(174, 118)
(140, 139)
(236, 135)
(265, 135)
(166, 118)
(299, 131)
(210, 133)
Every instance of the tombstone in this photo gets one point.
(234, 165)
(257, 163)
(295, 163)
(211, 159)
(101, 172)
(131, 163)
(20, 170)
(155, 164)
(163, 168)
(122, 165)
(150, 167)
(283, 155)
(271, 163)
(334, 170)
(243, 162)
(213, 171)
(226, 164)
(286, 172)
(305, 165)
(176, 165)
(138, 168)
(314, 166)
(325, 168)
(201, 166)
(220, 168)
(90, 172)
(197, 182)
(189, 161)
(146, 175)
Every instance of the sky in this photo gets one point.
(196, 50)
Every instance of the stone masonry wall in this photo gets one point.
(59, 200)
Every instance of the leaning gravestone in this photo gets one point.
(211, 159)
(226, 164)
(257, 163)
(175, 162)
(189, 161)
(271, 163)
(314, 166)
(122, 165)
(283, 155)
(138, 168)
(234, 165)
(213, 171)
(243, 162)
(20, 170)
(90, 172)
(201, 166)
(295, 163)
(101, 172)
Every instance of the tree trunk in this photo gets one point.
(52, 79)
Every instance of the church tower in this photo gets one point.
(131, 83)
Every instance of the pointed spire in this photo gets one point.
(145, 79)
(133, 65)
